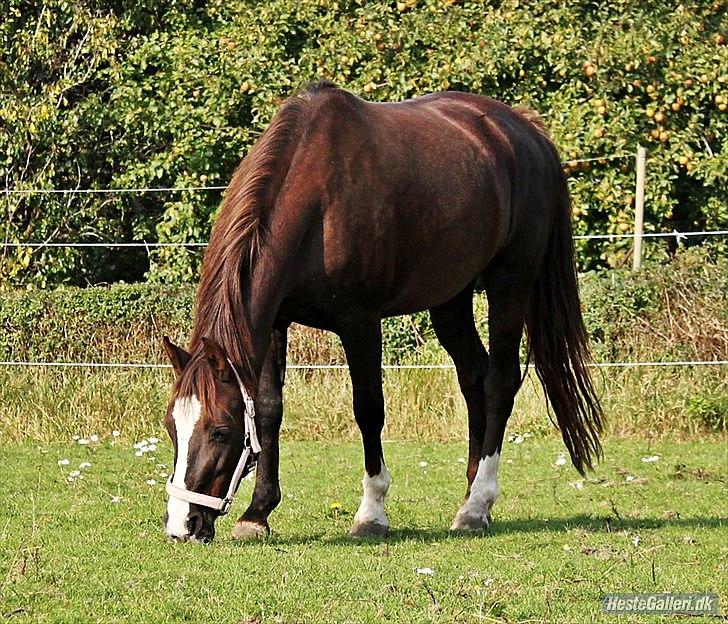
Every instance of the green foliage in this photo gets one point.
(710, 411)
(119, 323)
(112, 94)
(404, 335)
(674, 310)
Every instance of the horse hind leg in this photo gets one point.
(455, 329)
(507, 301)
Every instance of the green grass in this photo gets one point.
(70, 554)
(43, 405)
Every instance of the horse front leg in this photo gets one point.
(268, 418)
(361, 336)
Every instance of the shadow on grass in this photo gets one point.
(592, 524)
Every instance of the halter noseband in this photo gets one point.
(246, 463)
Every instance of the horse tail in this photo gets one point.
(558, 342)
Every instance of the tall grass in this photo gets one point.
(46, 405)
(672, 311)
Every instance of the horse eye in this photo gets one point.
(220, 434)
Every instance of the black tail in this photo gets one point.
(558, 344)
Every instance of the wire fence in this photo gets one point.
(152, 245)
(640, 159)
(144, 365)
(113, 245)
(184, 189)
(81, 191)
(109, 245)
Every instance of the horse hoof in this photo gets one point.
(244, 530)
(369, 529)
(470, 522)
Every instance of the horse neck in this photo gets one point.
(244, 329)
(273, 270)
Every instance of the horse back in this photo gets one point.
(409, 202)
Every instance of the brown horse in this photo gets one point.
(346, 212)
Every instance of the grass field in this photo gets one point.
(92, 549)
(44, 405)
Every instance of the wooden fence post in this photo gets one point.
(639, 208)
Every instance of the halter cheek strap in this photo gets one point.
(246, 463)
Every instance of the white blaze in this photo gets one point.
(371, 510)
(186, 413)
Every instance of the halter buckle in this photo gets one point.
(227, 503)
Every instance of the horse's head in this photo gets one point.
(206, 419)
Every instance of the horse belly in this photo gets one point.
(436, 270)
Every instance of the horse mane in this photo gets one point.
(235, 243)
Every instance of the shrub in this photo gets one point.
(710, 411)
(109, 94)
(102, 324)
(676, 310)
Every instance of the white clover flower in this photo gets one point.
(116, 433)
(84, 465)
(64, 462)
(461, 460)
(83, 441)
(151, 482)
(163, 475)
(629, 478)
(425, 571)
(527, 435)
(115, 499)
(138, 445)
(518, 439)
(579, 485)
(75, 437)
(151, 448)
(560, 460)
(138, 453)
(423, 464)
(93, 437)
(153, 440)
(650, 459)
(75, 473)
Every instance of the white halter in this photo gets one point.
(251, 447)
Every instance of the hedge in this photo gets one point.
(671, 311)
(111, 94)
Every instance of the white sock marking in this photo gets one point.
(186, 413)
(371, 509)
(483, 491)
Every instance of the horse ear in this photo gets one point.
(177, 355)
(218, 359)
